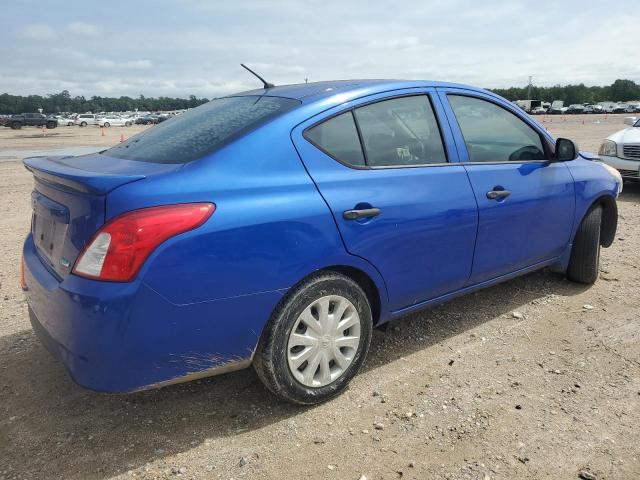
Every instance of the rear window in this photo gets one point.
(202, 130)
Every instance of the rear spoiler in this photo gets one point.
(51, 170)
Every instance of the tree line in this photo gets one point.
(618, 91)
(64, 102)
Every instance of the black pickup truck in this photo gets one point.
(30, 120)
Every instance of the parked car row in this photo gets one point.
(82, 120)
(558, 108)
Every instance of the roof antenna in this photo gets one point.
(266, 84)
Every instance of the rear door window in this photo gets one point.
(400, 132)
(338, 137)
(202, 130)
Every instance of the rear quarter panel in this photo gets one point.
(271, 227)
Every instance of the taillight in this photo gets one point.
(120, 247)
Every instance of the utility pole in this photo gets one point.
(529, 88)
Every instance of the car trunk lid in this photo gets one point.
(68, 201)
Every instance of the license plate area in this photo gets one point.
(48, 226)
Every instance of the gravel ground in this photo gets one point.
(536, 378)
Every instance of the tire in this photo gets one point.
(16, 126)
(51, 125)
(274, 352)
(69, 124)
(106, 124)
(127, 124)
(585, 253)
(83, 124)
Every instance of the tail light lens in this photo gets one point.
(120, 247)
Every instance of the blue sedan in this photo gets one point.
(278, 227)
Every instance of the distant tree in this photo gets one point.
(619, 91)
(64, 102)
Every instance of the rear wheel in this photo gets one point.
(585, 253)
(127, 124)
(83, 124)
(51, 125)
(16, 126)
(316, 340)
(107, 124)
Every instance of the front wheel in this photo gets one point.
(106, 124)
(585, 254)
(83, 124)
(51, 125)
(127, 124)
(316, 340)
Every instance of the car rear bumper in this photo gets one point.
(121, 337)
(629, 169)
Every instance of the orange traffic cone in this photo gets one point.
(121, 137)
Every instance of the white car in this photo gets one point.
(622, 150)
(113, 121)
(65, 121)
(85, 119)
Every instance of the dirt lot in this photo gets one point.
(536, 378)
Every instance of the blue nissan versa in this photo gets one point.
(277, 227)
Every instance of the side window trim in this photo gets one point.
(431, 97)
(360, 140)
(453, 122)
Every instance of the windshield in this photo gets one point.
(202, 130)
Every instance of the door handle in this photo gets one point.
(361, 213)
(497, 194)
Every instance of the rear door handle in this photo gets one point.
(362, 213)
(496, 194)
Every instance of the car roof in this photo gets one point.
(317, 91)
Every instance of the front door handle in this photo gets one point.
(361, 213)
(497, 194)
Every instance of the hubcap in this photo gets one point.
(324, 341)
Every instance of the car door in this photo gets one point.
(525, 201)
(387, 170)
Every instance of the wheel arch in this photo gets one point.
(367, 284)
(609, 223)
(609, 219)
(370, 282)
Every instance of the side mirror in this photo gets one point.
(566, 150)
(630, 120)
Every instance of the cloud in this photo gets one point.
(82, 28)
(196, 46)
(138, 64)
(37, 32)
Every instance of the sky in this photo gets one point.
(183, 47)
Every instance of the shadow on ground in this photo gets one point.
(630, 193)
(49, 426)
